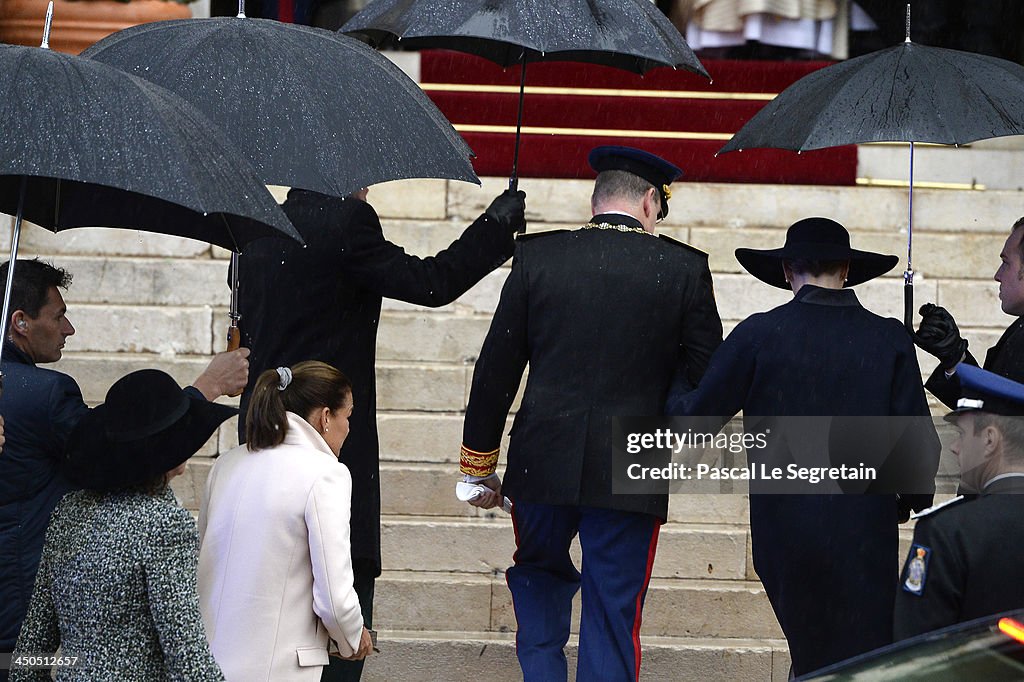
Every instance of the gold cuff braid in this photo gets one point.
(478, 463)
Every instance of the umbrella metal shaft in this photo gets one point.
(908, 274)
(513, 181)
(15, 237)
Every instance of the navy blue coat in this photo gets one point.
(605, 319)
(322, 302)
(40, 407)
(828, 562)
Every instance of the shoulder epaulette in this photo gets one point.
(673, 240)
(936, 507)
(523, 236)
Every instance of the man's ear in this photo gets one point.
(19, 323)
(650, 204)
(992, 438)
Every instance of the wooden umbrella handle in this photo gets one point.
(234, 341)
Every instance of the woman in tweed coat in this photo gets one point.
(116, 587)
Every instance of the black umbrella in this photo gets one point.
(627, 34)
(310, 108)
(85, 144)
(908, 93)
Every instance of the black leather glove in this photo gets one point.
(939, 336)
(509, 210)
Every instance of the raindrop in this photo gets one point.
(282, 262)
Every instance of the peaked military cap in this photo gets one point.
(984, 391)
(650, 167)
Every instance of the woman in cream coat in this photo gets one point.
(275, 573)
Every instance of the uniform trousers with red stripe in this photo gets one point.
(618, 553)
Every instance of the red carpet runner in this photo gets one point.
(570, 108)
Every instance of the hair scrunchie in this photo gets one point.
(286, 377)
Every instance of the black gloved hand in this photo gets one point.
(939, 336)
(509, 210)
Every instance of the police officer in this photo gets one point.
(940, 336)
(965, 561)
(605, 316)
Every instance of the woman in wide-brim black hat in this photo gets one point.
(817, 250)
(825, 558)
(116, 586)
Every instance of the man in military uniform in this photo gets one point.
(965, 561)
(939, 335)
(605, 316)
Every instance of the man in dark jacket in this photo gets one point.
(605, 316)
(965, 561)
(939, 335)
(41, 406)
(322, 301)
(826, 560)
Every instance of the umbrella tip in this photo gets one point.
(241, 10)
(907, 39)
(46, 26)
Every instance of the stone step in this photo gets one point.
(483, 603)
(993, 164)
(427, 489)
(485, 546)
(469, 656)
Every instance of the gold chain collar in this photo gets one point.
(620, 228)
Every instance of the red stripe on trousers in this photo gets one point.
(640, 595)
(285, 11)
(515, 532)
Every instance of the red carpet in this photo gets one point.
(579, 106)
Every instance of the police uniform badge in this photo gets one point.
(917, 570)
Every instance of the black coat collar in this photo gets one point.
(14, 354)
(821, 296)
(617, 219)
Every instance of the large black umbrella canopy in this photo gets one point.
(908, 93)
(310, 108)
(98, 147)
(85, 144)
(627, 34)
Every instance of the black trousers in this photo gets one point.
(364, 573)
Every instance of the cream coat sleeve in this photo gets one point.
(204, 504)
(328, 514)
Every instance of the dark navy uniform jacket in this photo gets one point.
(40, 407)
(966, 561)
(828, 562)
(604, 318)
(1006, 358)
(322, 302)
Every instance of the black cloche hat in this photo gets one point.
(146, 426)
(819, 239)
(650, 167)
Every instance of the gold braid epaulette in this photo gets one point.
(478, 463)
